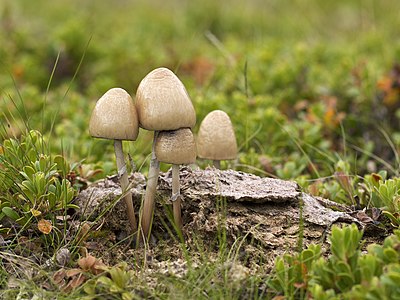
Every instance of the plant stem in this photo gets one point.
(152, 180)
(176, 196)
(123, 179)
(217, 164)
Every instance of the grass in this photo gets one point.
(311, 88)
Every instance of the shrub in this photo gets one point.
(34, 188)
(346, 273)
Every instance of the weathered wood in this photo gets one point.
(232, 185)
(207, 186)
(272, 216)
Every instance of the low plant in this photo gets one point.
(70, 279)
(292, 273)
(341, 270)
(345, 274)
(384, 193)
(34, 186)
(116, 282)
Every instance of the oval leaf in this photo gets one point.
(9, 212)
(45, 226)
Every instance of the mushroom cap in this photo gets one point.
(114, 116)
(216, 138)
(176, 146)
(163, 103)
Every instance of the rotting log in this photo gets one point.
(268, 214)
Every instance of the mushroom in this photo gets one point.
(114, 117)
(162, 103)
(216, 138)
(176, 147)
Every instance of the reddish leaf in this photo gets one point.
(73, 272)
(345, 182)
(45, 226)
(59, 276)
(86, 263)
(75, 282)
(376, 177)
(313, 189)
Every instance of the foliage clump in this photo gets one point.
(346, 273)
(35, 187)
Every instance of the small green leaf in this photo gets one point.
(9, 212)
(73, 206)
(62, 166)
(28, 172)
(391, 255)
(395, 221)
(43, 159)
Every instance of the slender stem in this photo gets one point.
(176, 195)
(217, 164)
(148, 204)
(123, 179)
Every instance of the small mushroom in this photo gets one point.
(162, 103)
(216, 138)
(176, 147)
(114, 117)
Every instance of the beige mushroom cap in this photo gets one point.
(114, 116)
(176, 147)
(163, 103)
(216, 138)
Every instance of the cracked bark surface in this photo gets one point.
(269, 216)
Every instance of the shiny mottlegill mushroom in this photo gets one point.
(216, 138)
(176, 147)
(162, 103)
(114, 117)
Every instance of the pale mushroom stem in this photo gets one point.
(176, 198)
(123, 179)
(217, 164)
(152, 180)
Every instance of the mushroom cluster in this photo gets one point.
(162, 105)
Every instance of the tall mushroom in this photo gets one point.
(176, 147)
(162, 103)
(114, 117)
(216, 138)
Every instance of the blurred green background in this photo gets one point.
(312, 87)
